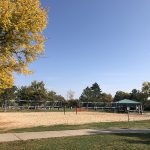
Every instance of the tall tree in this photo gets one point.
(86, 95)
(146, 94)
(92, 94)
(36, 92)
(146, 88)
(21, 38)
(121, 95)
(138, 95)
(8, 94)
(59, 98)
(24, 93)
(70, 95)
(96, 92)
(39, 92)
(52, 96)
(134, 95)
(107, 97)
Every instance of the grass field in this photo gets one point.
(92, 142)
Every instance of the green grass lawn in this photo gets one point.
(101, 125)
(92, 142)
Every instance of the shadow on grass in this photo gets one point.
(128, 136)
(138, 138)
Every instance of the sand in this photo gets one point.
(33, 119)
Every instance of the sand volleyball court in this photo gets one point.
(32, 119)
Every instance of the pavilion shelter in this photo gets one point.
(128, 105)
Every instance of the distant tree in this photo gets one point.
(107, 97)
(141, 97)
(86, 95)
(70, 95)
(96, 92)
(121, 95)
(134, 95)
(59, 98)
(8, 95)
(92, 94)
(72, 103)
(51, 95)
(146, 94)
(146, 88)
(39, 92)
(24, 93)
(35, 93)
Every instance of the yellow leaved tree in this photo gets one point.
(21, 40)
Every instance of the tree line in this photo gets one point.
(37, 94)
(95, 94)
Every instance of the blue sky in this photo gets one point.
(103, 41)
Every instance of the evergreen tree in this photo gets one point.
(86, 96)
(92, 94)
(96, 93)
